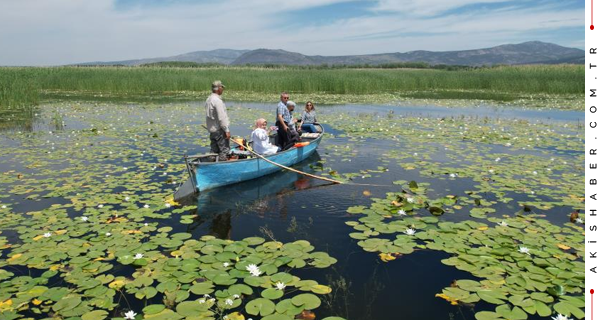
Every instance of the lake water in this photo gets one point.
(102, 138)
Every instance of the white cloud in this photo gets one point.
(52, 32)
(427, 7)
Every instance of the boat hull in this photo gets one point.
(216, 174)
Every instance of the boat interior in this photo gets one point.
(239, 151)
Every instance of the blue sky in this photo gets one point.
(54, 32)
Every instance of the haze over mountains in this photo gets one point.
(532, 52)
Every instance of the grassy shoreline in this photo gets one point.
(540, 101)
(557, 86)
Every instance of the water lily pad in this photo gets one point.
(320, 289)
(202, 288)
(260, 306)
(515, 314)
(235, 316)
(95, 315)
(487, 315)
(282, 277)
(67, 303)
(277, 316)
(272, 293)
(153, 308)
(567, 308)
(492, 296)
(286, 306)
(240, 289)
(306, 300)
(189, 308)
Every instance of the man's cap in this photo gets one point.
(217, 83)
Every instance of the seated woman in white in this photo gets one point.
(260, 139)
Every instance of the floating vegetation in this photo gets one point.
(89, 229)
(103, 177)
(527, 264)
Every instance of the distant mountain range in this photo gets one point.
(222, 56)
(532, 52)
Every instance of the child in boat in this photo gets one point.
(260, 139)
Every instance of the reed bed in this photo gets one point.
(22, 85)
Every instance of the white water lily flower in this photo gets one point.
(201, 301)
(146, 224)
(225, 264)
(138, 256)
(415, 154)
(126, 198)
(3, 206)
(524, 250)
(410, 231)
(410, 200)
(100, 205)
(229, 302)
(498, 159)
(108, 234)
(167, 205)
(84, 218)
(503, 223)
(535, 172)
(280, 285)
(401, 212)
(491, 171)
(130, 315)
(206, 296)
(236, 296)
(253, 269)
(452, 175)
(211, 299)
(561, 317)
(124, 168)
(146, 206)
(579, 220)
(47, 234)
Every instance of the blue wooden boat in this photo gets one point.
(206, 174)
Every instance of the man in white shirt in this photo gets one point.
(217, 122)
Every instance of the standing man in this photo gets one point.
(217, 122)
(282, 117)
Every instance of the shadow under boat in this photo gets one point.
(215, 207)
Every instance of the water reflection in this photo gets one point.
(217, 206)
(18, 118)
